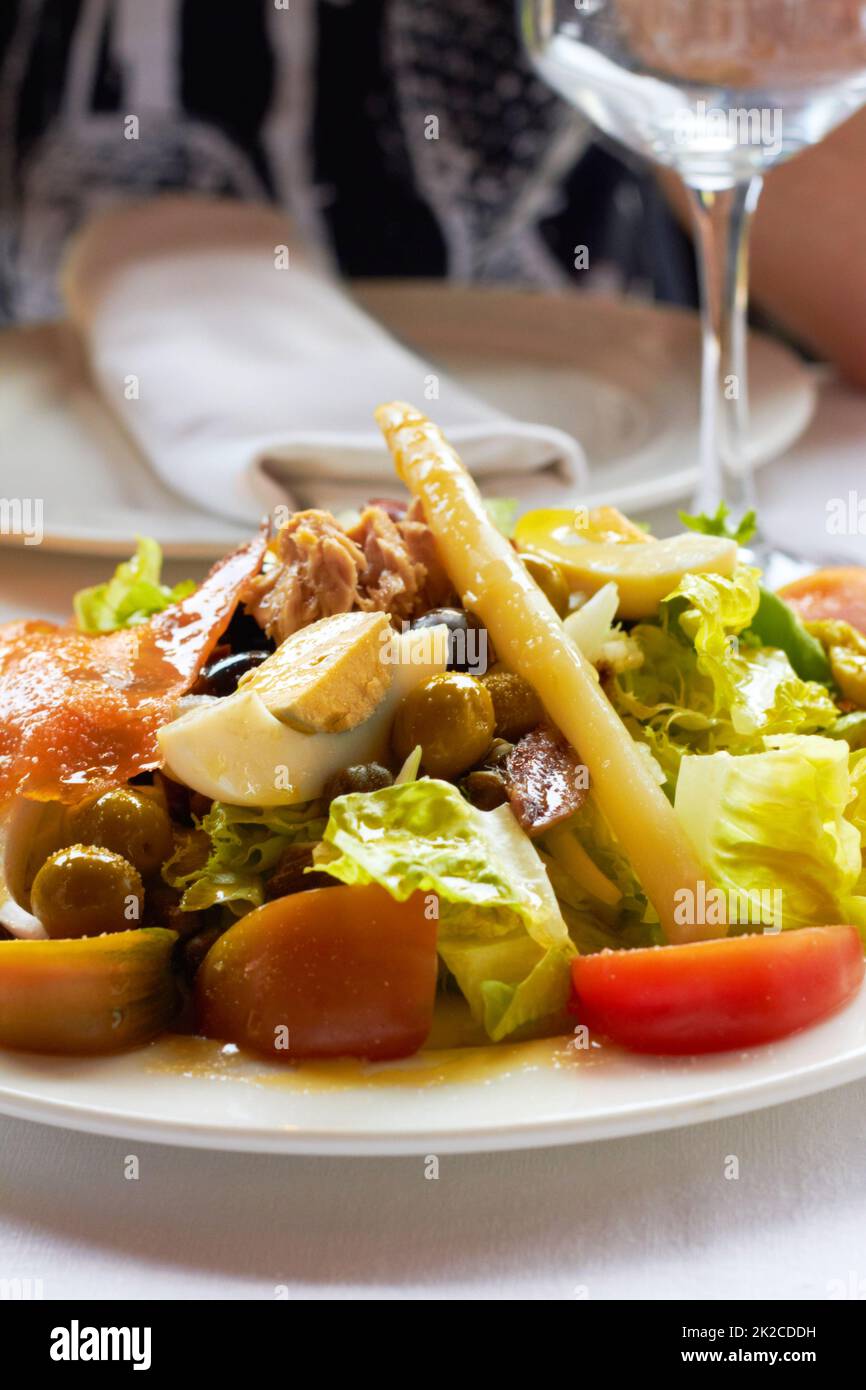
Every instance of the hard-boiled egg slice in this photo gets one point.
(233, 749)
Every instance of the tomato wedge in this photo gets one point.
(711, 996)
(333, 972)
(830, 593)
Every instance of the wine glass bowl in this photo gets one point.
(719, 93)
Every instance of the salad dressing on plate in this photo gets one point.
(456, 1052)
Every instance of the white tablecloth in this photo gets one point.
(650, 1217)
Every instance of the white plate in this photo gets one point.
(185, 1091)
(621, 376)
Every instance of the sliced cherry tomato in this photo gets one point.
(830, 593)
(332, 972)
(714, 995)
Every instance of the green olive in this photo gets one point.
(550, 580)
(130, 823)
(451, 716)
(86, 890)
(516, 706)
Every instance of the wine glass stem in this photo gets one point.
(722, 219)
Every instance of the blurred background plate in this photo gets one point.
(621, 376)
(60, 443)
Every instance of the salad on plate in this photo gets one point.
(551, 769)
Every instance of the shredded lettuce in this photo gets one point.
(780, 821)
(591, 829)
(499, 920)
(844, 649)
(132, 595)
(227, 860)
(756, 687)
(597, 924)
(706, 683)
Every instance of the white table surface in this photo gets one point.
(649, 1217)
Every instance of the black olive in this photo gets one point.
(469, 647)
(244, 634)
(221, 678)
(194, 949)
(289, 876)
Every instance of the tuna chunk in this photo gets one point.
(379, 565)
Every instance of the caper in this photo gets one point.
(362, 777)
(221, 677)
(130, 823)
(468, 643)
(497, 756)
(486, 788)
(194, 949)
(86, 890)
(451, 716)
(550, 580)
(289, 874)
(164, 910)
(516, 707)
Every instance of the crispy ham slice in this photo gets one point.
(79, 713)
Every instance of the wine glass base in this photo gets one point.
(780, 567)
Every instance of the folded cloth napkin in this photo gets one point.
(246, 374)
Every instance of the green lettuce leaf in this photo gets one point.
(424, 837)
(498, 915)
(779, 822)
(542, 994)
(856, 812)
(776, 624)
(851, 727)
(717, 524)
(132, 595)
(228, 859)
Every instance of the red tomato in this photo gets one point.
(333, 972)
(830, 593)
(716, 995)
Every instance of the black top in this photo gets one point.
(411, 136)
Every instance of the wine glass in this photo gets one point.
(718, 91)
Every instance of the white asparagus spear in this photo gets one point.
(528, 637)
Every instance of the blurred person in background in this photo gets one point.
(406, 137)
